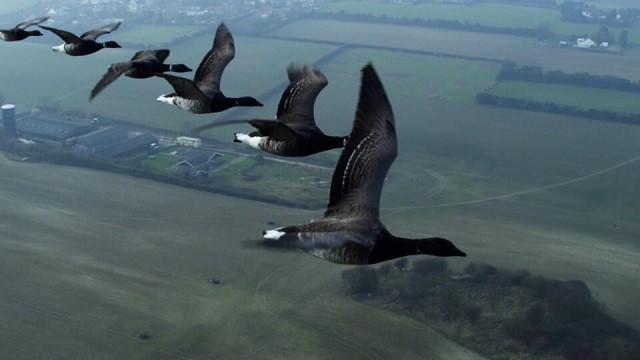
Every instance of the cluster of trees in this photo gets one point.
(549, 107)
(511, 71)
(536, 32)
(577, 11)
(534, 3)
(494, 308)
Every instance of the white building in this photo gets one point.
(585, 43)
(189, 141)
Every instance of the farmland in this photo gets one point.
(154, 34)
(7, 7)
(583, 98)
(489, 46)
(498, 15)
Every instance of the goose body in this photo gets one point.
(351, 231)
(202, 95)
(144, 64)
(294, 131)
(84, 44)
(20, 32)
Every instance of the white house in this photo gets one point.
(189, 141)
(585, 43)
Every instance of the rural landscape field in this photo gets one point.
(520, 147)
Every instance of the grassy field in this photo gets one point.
(491, 46)
(9, 6)
(155, 34)
(85, 278)
(422, 77)
(500, 15)
(584, 98)
(262, 61)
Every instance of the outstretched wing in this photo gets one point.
(212, 66)
(114, 72)
(161, 55)
(184, 88)
(372, 146)
(32, 22)
(298, 99)
(66, 36)
(94, 34)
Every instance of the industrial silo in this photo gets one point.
(9, 121)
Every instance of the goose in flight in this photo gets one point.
(202, 95)
(85, 44)
(20, 32)
(351, 231)
(294, 132)
(144, 64)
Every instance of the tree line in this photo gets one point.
(552, 108)
(577, 11)
(536, 32)
(511, 71)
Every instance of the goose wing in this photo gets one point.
(32, 22)
(371, 149)
(184, 88)
(210, 70)
(66, 36)
(161, 55)
(94, 34)
(114, 72)
(298, 99)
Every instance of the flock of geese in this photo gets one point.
(350, 231)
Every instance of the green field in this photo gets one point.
(583, 98)
(422, 77)
(262, 61)
(499, 15)
(154, 34)
(9, 6)
(491, 46)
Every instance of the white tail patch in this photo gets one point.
(253, 141)
(59, 48)
(274, 234)
(165, 99)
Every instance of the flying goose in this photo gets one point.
(351, 231)
(294, 132)
(85, 44)
(202, 95)
(144, 64)
(20, 32)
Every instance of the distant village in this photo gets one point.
(182, 12)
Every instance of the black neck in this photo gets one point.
(165, 67)
(391, 247)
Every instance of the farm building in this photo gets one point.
(93, 142)
(189, 141)
(136, 144)
(193, 162)
(41, 128)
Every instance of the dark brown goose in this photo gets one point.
(86, 43)
(351, 231)
(202, 95)
(294, 132)
(20, 32)
(144, 64)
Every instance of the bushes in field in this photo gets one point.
(498, 312)
(548, 107)
(511, 71)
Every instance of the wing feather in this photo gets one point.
(372, 147)
(66, 36)
(161, 55)
(184, 88)
(298, 99)
(32, 22)
(114, 72)
(209, 73)
(94, 34)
